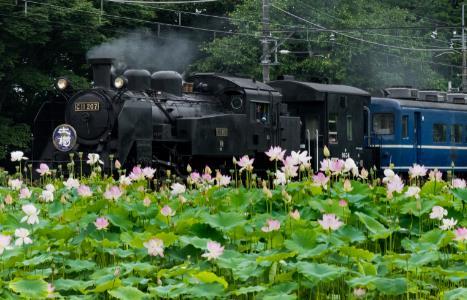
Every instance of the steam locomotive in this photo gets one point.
(158, 118)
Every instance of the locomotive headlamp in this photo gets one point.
(120, 82)
(62, 83)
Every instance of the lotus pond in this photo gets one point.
(341, 233)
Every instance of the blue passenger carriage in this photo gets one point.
(425, 127)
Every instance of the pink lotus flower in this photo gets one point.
(330, 221)
(177, 189)
(147, 202)
(8, 199)
(350, 166)
(395, 185)
(246, 163)
(275, 153)
(214, 250)
(101, 223)
(25, 193)
(113, 193)
(207, 178)
(155, 247)
(43, 170)
(149, 172)
(363, 173)
(290, 167)
(435, 175)
(413, 191)
(295, 214)
(337, 166)
(223, 180)
(325, 165)
(448, 224)
(22, 235)
(347, 186)
(458, 183)
(194, 177)
(31, 214)
(15, 184)
(281, 178)
(117, 164)
(300, 158)
(461, 234)
(272, 225)
(320, 180)
(84, 191)
(71, 183)
(136, 174)
(388, 175)
(417, 171)
(437, 212)
(342, 203)
(4, 242)
(167, 211)
(50, 290)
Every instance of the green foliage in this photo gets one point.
(13, 136)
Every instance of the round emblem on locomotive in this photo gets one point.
(64, 137)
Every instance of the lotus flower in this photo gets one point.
(395, 184)
(417, 171)
(167, 211)
(448, 224)
(275, 153)
(113, 193)
(101, 223)
(71, 183)
(295, 214)
(17, 156)
(342, 203)
(177, 189)
(413, 191)
(246, 163)
(50, 187)
(330, 221)
(350, 166)
(149, 172)
(290, 168)
(25, 193)
(136, 174)
(43, 170)
(15, 184)
(124, 180)
(336, 166)
(458, 183)
(363, 173)
(31, 214)
(146, 202)
(347, 186)
(4, 242)
(435, 175)
(320, 180)
(437, 212)
(461, 234)
(47, 196)
(223, 180)
(325, 165)
(359, 292)
(94, 158)
(272, 225)
(155, 247)
(194, 177)
(281, 178)
(84, 191)
(214, 250)
(22, 235)
(300, 158)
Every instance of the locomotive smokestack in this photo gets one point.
(101, 71)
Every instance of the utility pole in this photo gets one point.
(464, 55)
(265, 59)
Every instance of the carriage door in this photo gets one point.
(417, 135)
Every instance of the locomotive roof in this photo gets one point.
(325, 88)
(421, 104)
(246, 83)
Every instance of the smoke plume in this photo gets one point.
(147, 51)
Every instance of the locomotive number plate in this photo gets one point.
(222, 131)
(87, 106)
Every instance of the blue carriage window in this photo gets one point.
(383, 123)
(405, 126)
(439, 133)
(456, 133)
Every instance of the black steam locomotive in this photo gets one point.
(159, 119)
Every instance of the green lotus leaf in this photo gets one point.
(36, 260)
(350, 234)
(135, 239)
(138, 267)
(357, 253)
(460, 193)
(378, 231)
(29, 288)
(280, 297)
(127, 293)
(432, 187)
(249, 289)
(195, 241)
(437, 238)
(225, 221)
(169, 238)
(417, 207)
(275, 257)
(209, 277)
(169, 291)
(208, 290)
(8, 221)
(69, 284)
(391, 286)
(365, 281)
(456, 294)
(79, 265)
(106, 282)
(423, 258)
(282, 289)
(174, 271)
(320, 272)
(120, 219)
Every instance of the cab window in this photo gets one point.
(383, 123)
(261, 112)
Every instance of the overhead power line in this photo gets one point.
(165, 2)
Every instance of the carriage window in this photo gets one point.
(349, 127)
(439, 133)
(405, 126)
(456, 133)
(332, 128)
(383, 123)
(261, 112)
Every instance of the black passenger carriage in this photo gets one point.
(336, 114)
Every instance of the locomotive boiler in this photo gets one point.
(158, 118)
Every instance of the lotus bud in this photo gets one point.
(167, 173)
(188, 169)
(391, 166)
(8, 199)
(234, 160)
(80, 155)
(326, 152)
(118, 165)
(302, 168)
(207, 170)
(117, 272)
